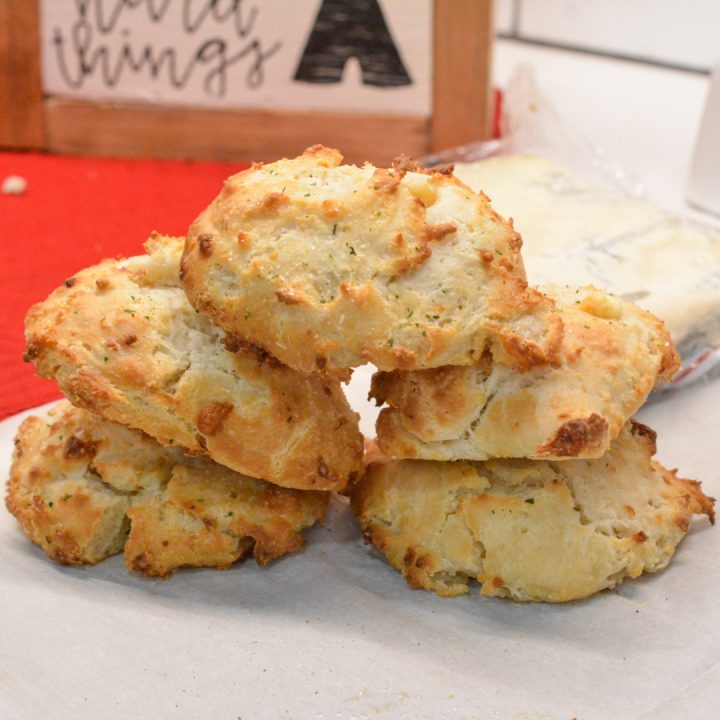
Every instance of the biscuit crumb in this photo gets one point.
(14, 185)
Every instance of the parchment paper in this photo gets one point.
(334, 633)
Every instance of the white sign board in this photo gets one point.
(332, 55)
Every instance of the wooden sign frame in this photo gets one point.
(461, 106)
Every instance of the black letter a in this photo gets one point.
(351, 28)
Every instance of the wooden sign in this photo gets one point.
(243, 79)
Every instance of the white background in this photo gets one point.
(681, 32)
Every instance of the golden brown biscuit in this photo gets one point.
(331, 266)
(529, 530)
(122, 340)
(612, 355)
(82, 488)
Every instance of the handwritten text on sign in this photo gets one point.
(342, 55)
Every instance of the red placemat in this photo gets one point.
(75, 212)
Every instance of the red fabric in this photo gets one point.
(497, 114)
(75, 212)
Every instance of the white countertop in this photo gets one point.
(333, 633)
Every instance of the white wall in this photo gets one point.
(683, 33)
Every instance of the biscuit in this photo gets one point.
(83, 488)
(612, 355)
(331, 266)
(529, 530)
(121, 339)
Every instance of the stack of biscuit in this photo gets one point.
(514, 459)
(180, 444)
(530, 477)
(536, 483)
(508, 453)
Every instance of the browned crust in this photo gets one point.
(577, 437)
(212, 416)
(525, 354)
(404, 164)
(326, 156)
(406, 264)
(643, 431)
(381, 386)
(205, 245)
(289, 296)
(389, 442)
(440, 230)
(416, 564)
(446, 169)
(694, 501)
(385, 181)
(77, 448)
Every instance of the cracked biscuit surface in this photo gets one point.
(612, 355)
(121, 339)
(84, 488)
(331, 266)
(529, 530)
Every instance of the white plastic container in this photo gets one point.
(703, 188)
